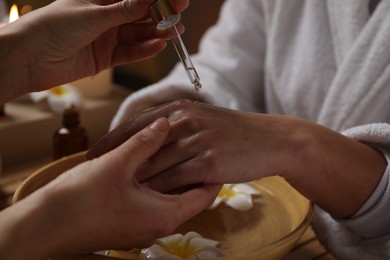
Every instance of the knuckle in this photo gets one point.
(188, 113)
(143, 140)
(131, 9)
(190, 121)
(126, 9)
(208, 160)
(180, 103)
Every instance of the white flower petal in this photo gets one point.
(209, 252)
(190, 243)
(245, 188)
(187, 238)
(200, 242)
(38, 96)
(216, 202)
(71, 96)
(230, 191)
(169, 240)
(240, 202)
(153, 252)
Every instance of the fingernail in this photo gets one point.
(160, 124)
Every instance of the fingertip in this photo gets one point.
(181, 5)
(213, 191)
(161, 125)
(159, 44)
(181, 28)
(142, 145)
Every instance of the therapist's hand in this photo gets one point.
(99, 205)
(72, 39)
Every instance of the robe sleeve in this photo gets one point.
(367, 234)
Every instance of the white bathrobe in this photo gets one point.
(323, 60)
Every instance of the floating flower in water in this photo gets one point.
(237, 196)
(59, 98)
(178, 247)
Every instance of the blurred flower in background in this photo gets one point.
(59, 98)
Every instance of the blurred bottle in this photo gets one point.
(71, 137)
(2, 109)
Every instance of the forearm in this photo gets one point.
(337, 173)
(46, 224)
(24, 229)
(14, 69)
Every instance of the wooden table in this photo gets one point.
(308, 248)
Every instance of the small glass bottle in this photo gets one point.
(71, 137)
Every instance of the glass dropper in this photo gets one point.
(165, 17)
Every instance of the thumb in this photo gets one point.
(142, 145)
(127, 11)
(201, 197)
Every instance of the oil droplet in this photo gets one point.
(194, 78)
(197, 85)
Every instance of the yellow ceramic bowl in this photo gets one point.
(46, 174)
(267, 231)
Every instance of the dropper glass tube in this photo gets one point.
(185, 58)
(165, 17)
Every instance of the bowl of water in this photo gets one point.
(268, 230)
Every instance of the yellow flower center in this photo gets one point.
(59, 91)
(228, 192)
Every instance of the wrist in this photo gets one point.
(24, 231)
(335, 172)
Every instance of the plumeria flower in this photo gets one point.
(191, 246)
(237, 196)
(59, 98)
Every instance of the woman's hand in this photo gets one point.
(99, 205)
(208, 144)
(72, 39)
(214, 145)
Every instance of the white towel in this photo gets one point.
(378, 133)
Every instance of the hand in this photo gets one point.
(220, 145)
(100, 205)
(72, 39)
(215, 145)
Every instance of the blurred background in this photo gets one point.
(200, 15)
(102, 94)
